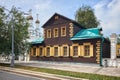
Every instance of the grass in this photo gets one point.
(67, 73)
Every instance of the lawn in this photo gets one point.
(67, 73)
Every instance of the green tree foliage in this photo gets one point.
(85, 16)
(14, 18)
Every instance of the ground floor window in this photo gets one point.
(119, 51)
(65, 51)
(75, 50)
(48, 51)
(87, 50)
(55, 51)
(34, 51)
(41, 50)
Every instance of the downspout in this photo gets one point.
(101, 49)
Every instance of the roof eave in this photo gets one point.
(78, 38)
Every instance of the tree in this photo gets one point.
(85, 16)
(16, 19)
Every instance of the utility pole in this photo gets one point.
(13, 55)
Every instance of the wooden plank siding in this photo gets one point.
(58, 21)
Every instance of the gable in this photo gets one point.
(59, 19)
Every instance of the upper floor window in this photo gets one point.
(49, 33)
(63, 31)
(55, 32)
(75, 50)
(87, 50)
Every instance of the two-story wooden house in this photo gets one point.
(66, 40)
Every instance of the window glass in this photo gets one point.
(87, 50)
(75, 50)
(56, 51)
(56, 32)
(64, 51)
(48, 33)
(63, 31)
(34, 51)
(41, 51)
(119, 51)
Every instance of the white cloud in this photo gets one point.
(43, 5)
(108, 12)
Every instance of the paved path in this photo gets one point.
(77, 67)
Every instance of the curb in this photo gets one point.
(39, 74)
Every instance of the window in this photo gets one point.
(56, 32)
(40, 51)
(34, 51)
(63, 31)
(55, 51)
(87, 50)
(64, 51)
(49, 33)
(75, 50)
(119, 51)
(48, 51)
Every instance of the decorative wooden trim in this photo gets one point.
(51, 51)
(98, 47)
(86, 44)
(37, 51)
(98, 51)
(118, 49)
(71, 29)
(98, 41)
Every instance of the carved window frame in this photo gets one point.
(56, 33)
(63, 31)
(49, 33)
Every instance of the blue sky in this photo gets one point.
(107, 11)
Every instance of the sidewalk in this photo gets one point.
(76, 67)
(46, 76)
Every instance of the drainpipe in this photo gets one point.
(101, 47)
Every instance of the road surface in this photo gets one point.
(13, 76)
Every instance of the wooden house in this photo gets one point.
(66, 40)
